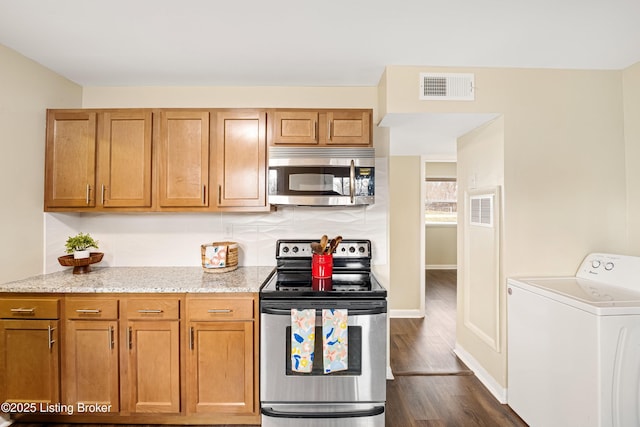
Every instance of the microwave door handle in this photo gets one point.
(352, 180)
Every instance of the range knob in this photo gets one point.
(295, 249)
(285, 249)
(361, 249)
(609, 266)
(352, 249)
(595, 263)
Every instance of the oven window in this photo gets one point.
(355, 353)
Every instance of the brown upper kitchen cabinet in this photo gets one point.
(321, 127)
(70, 167)
(124, 159)
(240, 158)
(183, 159)
(98, 159)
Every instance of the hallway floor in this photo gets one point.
(432, 387)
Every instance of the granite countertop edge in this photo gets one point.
(121, 280)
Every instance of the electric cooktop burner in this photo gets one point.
(351, 276)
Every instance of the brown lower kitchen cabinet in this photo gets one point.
(29, 350)
(222, 356)
(152, 358)
(151, 380)
(91, 371)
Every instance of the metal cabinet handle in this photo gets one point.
(102, 195)
(112, 340)
(129, 338)
(220, 310)
(50, 335)
(204, 194)
(23, 310)
(191, 333)
(352, 180)
(88, 193)
(329, 130)
(88, 311)
(219, 194)
(315, 129)
(149, 311)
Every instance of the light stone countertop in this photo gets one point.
(143, 280)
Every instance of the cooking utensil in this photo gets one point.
(334, 244)
(323, 243)
(316, 248)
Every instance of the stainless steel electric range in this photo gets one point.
(353, 397)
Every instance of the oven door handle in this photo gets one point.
(351, 311)
(377, 410)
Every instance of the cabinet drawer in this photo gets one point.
(29, 308)
(220, 308)
(153, 308)
(88, 308)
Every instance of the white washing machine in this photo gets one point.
(574, 345)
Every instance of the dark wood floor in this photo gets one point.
(432, 387)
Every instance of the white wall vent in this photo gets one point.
(482, 210)
(447, 86)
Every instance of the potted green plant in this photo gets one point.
(79, 245)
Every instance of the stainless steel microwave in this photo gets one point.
(311, 176)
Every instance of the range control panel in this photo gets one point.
(302, 249)
(616, 270)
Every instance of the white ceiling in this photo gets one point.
(311, 43)
(315, 43)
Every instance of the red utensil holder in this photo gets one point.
(321, 266)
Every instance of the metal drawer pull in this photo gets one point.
(88, 311)
(149, 311)
(23, 310)
(51, 340)
(220, 310)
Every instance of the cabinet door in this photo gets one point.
(240, 156)
(347, 128)
(220, 368)
(124, 159)
(295, 127)
(153, 366)
(183, 159)
(91, 365)
(70, 165)
(29, 358)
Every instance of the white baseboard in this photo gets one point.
(441, 267)
(409, 314)
(487, 380)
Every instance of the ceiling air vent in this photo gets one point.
(447, 86)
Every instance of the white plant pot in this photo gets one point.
(81, 254)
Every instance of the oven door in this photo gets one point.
(364, 381)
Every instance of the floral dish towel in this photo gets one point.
(335, 340)
(302, 339)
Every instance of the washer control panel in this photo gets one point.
(616, 270)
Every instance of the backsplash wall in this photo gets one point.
(174, 239)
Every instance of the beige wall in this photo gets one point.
(405, 222)
(481, 322)
(27, 89)
(564, 168)
(631, 85)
